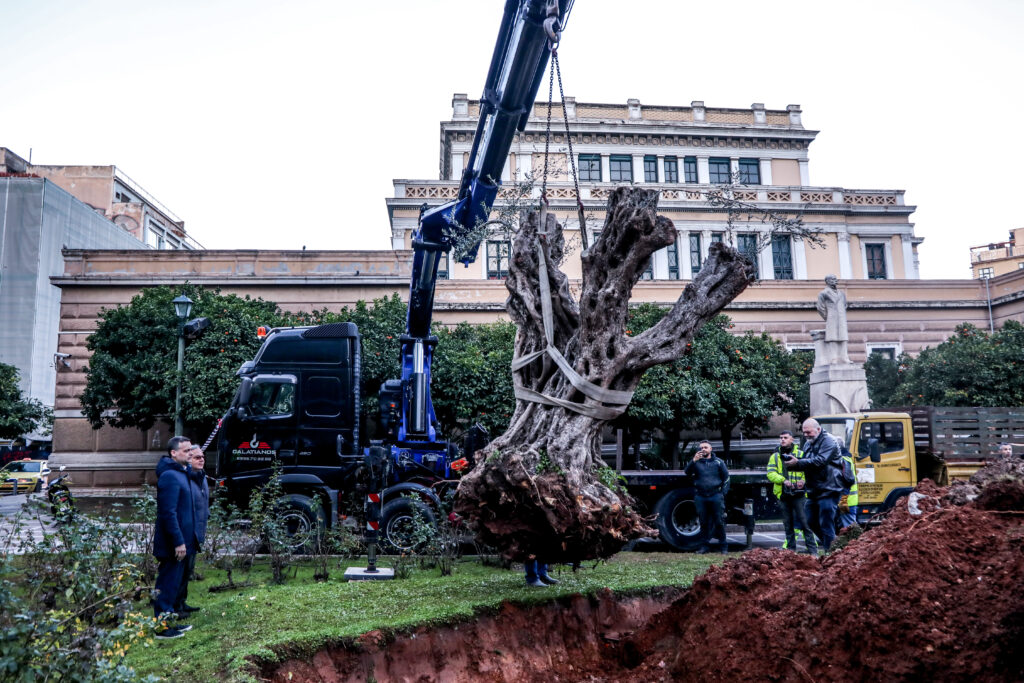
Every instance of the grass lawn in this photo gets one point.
(305, 615)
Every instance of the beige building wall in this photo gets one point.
(785, 172)
(999, 258)
(93, 185)
(900, 314)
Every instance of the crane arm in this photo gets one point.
(529, 28)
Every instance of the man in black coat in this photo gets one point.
(175, 536)
(200, 515)
(711, 482)
(822, 464)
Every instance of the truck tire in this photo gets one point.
(401, 523)
(677, 521)
(304, 521)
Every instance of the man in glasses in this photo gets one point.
(200, 514)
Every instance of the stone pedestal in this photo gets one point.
(837, 385)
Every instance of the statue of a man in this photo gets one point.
(832, 307)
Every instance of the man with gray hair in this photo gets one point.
(822, 464)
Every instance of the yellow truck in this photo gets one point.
(893, 451)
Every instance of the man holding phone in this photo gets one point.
(175, 536)
(822, 463)
(711, 481)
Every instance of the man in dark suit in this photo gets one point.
(175, 537)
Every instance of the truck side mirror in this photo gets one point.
(874, 450)
(245, 392)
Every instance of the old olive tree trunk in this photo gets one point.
(536, 490)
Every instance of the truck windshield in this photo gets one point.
(840, 428)
(272, 397)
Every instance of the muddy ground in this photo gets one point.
(935, 596)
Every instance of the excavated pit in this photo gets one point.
(572, 639)
(935, 596)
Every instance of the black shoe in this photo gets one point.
(549, 580)
(704, 551)
(182, 627)
(724, 550)
(536, 583)
(189, 609)
(169, 633)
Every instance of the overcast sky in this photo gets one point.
(281, 125)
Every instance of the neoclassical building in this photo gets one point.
(684, 152)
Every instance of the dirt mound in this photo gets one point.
(934, 593)
(929, 596)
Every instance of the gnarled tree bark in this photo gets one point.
(536, 489)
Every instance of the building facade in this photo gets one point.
(44, 209)
(999, 258)
(684, 153)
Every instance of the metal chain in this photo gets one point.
(572, 159)
(547, 137)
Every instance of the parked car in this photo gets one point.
(30, 475)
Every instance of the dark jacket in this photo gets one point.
(201, 503)
(175, 514)
(162, 465)
(710, 476)
(822, 464)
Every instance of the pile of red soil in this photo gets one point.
(937, 595)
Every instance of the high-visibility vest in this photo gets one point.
(852, 498)
(778, 473)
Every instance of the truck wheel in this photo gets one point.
(678, 521)
(303, 520)
(406, 525)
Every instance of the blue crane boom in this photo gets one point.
(529, 29)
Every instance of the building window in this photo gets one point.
(671, 170)
(620, 167)
(695, 254)
(875, 255)
(746, 244)
(888, 351)
(1020, 266)
(590, 168)
(672, 251)
(650, 169)
(648, 273)
(750, 172)
(497, 259)
(986, 272)
(594, 236)
(718, 171)
(716, 237)
(782, 257)
(442, 266)
(690, 169)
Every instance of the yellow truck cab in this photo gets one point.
(893, 451)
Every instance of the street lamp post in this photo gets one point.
(182, 309)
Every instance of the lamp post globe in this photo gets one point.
(182, 309)
(182, 306)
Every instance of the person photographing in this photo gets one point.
(822, 465)
(711, 482)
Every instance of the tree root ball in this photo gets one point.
(530, 514)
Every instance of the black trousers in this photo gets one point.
(168, 583)
(711, 510)
(182, 596)
(794, 513)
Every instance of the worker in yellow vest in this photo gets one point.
(790, 491)
(848, 502)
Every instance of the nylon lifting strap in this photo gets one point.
(618, 400)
